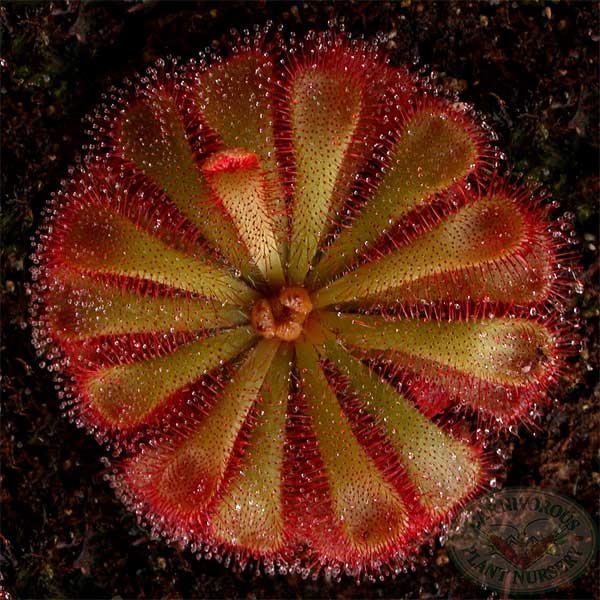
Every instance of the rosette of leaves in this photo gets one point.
(278, 284)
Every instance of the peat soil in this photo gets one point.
(531, 67)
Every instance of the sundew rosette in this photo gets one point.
(288, 285)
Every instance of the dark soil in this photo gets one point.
(531, 67)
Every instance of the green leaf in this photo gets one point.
(250, 510)
(366, 508)
(477, 253)
(234, 99)
(325, 107)
(125, 395)
(80, 307)
(101, 241)
(238, 183)
(502, 350)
